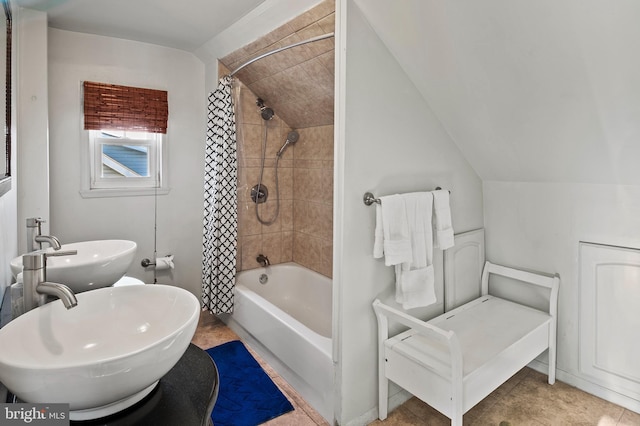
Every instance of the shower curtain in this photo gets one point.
(220, 202)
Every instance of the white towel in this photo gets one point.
(396, 243)
(378, 237)
(442, 228)
(418, 288)
(404, 236)
(418, 209)
(415, 283)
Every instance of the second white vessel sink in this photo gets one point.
(99, 263)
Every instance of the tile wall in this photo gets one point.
(313, 199)
(298, 84)
(303, 229)
(273, 240)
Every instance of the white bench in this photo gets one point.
(455, 360)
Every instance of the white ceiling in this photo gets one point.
(185, 24)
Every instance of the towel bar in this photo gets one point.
(369, 198)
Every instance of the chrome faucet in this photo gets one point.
(35, 237)
(263, 260)
(53, 241)
(36, 286)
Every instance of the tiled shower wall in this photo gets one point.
(313, 199)
(303, 230)
(298, 84)
(273, 240)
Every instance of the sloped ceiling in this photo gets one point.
(545, 90)
(182, 25)
(298, 83)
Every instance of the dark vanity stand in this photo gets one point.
(184, 396)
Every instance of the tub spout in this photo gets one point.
(263, 260)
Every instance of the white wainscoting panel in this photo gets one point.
(610, 317)
(463, 265)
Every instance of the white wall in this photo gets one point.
(75, 57)
(8, 237)
(32, 122)
(529, 90)
(541, 97)
(392, 143)
(539, 226)
(8, 231)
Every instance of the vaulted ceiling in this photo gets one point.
(179, 24)
(545, 90)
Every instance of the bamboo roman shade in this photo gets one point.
(109, 106)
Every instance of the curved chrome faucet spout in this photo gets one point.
(50, 239)
(61, 291)
(36, 286)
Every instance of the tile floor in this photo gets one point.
(525, 399)
(528, 400)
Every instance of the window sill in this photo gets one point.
(134, 192)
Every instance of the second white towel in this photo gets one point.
(442, 228)
(418, 288)
(415, 283)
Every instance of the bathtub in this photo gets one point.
(287, 320)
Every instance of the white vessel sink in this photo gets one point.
(102, 356)
(99, 263)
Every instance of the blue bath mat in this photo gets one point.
(247, 396)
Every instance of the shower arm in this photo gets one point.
(264, 55)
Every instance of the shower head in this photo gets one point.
(292, 137)
(265, 112)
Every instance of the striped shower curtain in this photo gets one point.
(220, 202)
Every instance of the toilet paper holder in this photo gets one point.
(145, 263)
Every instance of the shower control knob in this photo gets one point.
(259, 194)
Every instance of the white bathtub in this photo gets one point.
(287, 320)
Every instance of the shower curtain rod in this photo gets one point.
(280, 49)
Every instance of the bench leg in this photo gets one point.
(456, 417)
(383, 397)
(552, 354)
(552, 365)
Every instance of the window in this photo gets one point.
(126, 151)
(122, 159)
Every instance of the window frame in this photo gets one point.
(96, 187)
